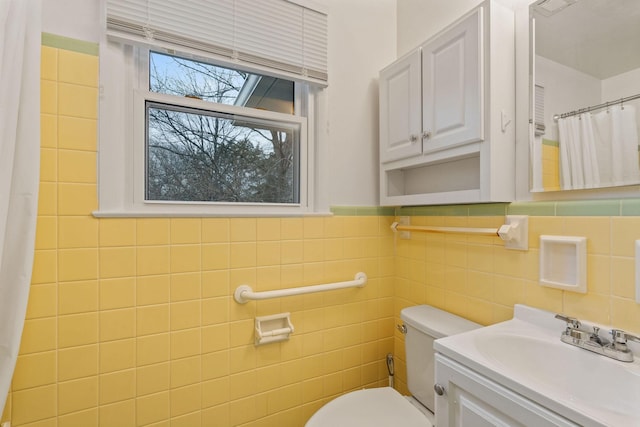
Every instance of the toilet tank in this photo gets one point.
(424, 325)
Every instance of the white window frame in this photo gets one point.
(121, 155)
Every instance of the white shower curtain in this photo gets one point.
(565, 139)
(624, 140)
(20, 32)
(588, 151)
(617, 132)
(599, 150)
(572, 158)
(602, 131)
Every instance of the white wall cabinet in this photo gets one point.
(445, 109)
(472, 400)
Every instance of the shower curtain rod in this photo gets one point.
(595, 107)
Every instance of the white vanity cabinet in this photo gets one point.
(445, 115)
(472, 400)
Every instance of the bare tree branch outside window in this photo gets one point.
(204, 155)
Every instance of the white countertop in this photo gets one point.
(525, 354)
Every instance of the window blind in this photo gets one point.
(276, 34)
(539, 126)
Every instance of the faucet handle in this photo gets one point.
(595, 337)
(621, 337)
(572, 322)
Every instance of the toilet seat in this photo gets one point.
(375, 407)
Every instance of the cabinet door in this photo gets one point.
(452, 86)
(400, 110)
(472, 400)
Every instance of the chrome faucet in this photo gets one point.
(592, 341)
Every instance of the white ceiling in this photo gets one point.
(597, 37)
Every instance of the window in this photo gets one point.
(207, 155)
(184, 131)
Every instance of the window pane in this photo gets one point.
(201, 156)
(184, 77)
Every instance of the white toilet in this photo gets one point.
(383, 407)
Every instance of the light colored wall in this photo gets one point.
(418, 20)
(566, 90)
(77, 19)
(622, 85)
(362, 37)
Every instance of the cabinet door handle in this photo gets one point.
(413, 138)
(438, 389)
(426, 134)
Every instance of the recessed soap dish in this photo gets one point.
(563, 262)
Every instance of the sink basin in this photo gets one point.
(526, 355)
(585, 377)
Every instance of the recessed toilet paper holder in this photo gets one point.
(273, 328)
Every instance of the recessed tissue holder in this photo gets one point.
(274, 328)
(563, 262)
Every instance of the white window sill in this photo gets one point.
(204, 214)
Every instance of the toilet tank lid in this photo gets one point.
(435, 322)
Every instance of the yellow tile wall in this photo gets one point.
(477, 278)
(550, 167)
(131, 322)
